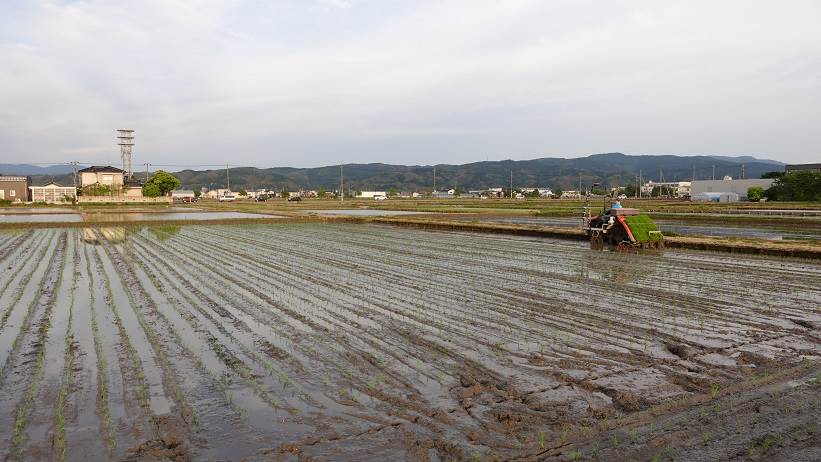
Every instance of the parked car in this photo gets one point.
(294, 199)
(379, 197)
(228, 198)
(622, 197)
(261, 198)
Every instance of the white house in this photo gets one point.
(103, 175)
(53, 193)
(184, 195)
(371, 194)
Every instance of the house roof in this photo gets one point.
(101, 169)
(50, 185)
(14, 178)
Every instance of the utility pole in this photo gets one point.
(341, 186)
(580, 185)
(511, 183)
(74, 169)
(146, 172)
(694, 173)
(228, 177)
(714, 172)
(434, 178)
(742, 171)
(640, 183)
(636, 194)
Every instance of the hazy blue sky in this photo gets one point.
(307, 83)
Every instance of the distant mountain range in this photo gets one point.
(608, 169)
(26, 169)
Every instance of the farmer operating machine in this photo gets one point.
(622, 229)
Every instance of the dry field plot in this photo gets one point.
(362, 342)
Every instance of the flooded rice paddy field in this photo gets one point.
(366, 342)
(109, 216)
(812, 231)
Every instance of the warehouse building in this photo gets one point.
(53, 193)
(702, 189)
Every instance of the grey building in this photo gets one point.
(816, 168)
(700, 188)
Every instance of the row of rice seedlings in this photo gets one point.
(125, 271)
(102, 383)
(264, 300)
(25, 274)
(226, 274)
(131, 352)
(24, 407)
(302, 264)
(14, 245)
(218, 347)
(68, 366)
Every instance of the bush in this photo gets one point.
(755, 194)
(97, 189)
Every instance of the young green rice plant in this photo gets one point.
(59, 417)
(42, 332)
(102, 383)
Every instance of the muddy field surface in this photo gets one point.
(773, 232)
(367, 342)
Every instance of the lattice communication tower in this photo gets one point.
(125, 139)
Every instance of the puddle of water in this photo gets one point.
(41, 218)
(102, 217)
(364, 212)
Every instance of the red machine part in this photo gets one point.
(626, 228)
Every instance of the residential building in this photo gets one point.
(677, 188)
(183, 195)
(370, 194)
(103, 175)
(570, 195)
(14, 188)
(53, 193)
(442, 194)
(728, 185)
(816, 168)
(543, 192)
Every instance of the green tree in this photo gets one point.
(152, 190)
(243, 192)
(160, 184)
(796, 186)
(284, 194)
(197, 193)
(774, 174)
(598, 192)
(755, 193)
(321, 193)
(392, 192)
(558, 192)
(630, 191)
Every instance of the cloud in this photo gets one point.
(312, 83)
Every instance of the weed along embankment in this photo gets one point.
(327, 340)
(810, 250)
